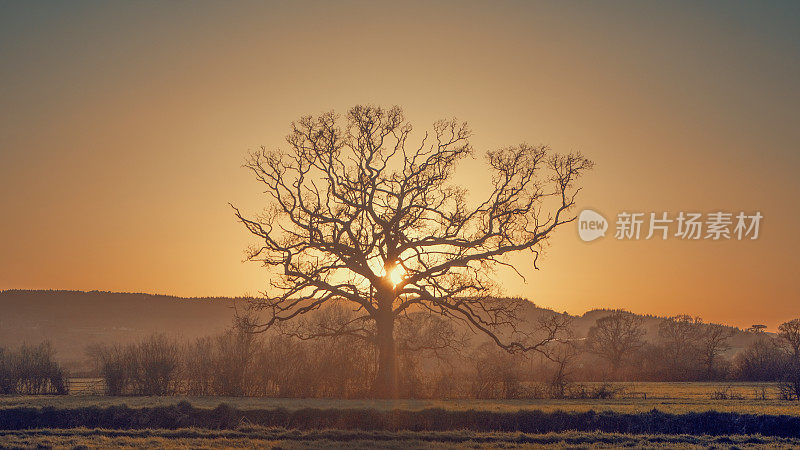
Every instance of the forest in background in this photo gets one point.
(159, 345)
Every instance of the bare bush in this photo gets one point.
(158, 360)
(427, 345)
(760, 393)
(497, 374)
(284, 368)
(6, 383)
(117, 367)
(31, 370)
(604, 391)
(726, 393)
(789, 389)
(150, 367)
(199, 369)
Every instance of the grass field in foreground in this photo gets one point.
(676, 398)
(271, 437)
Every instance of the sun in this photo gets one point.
(396, 275)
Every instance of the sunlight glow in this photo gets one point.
(396, 275)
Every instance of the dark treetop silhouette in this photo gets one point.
(357, 217)
(616, 337)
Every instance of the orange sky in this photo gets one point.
(123, 127)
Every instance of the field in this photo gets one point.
(674, 398)
(644, 415)
(292, 439)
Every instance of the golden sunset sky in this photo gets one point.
(123, 126)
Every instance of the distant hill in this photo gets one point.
(71, 320)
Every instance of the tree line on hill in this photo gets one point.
(686, 349)
(438, 359)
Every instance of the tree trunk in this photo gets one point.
(386, 379)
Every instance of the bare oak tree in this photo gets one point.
(359, 215)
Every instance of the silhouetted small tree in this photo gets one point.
(762, 360)
(563, 356)
(616, 337)
(680, 340)
(789, 335)
(712, 343)
(789, 338)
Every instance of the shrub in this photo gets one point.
(790, 386)
(150, 367)
(726, 394)
(497, 374)
(158, 361)
(117, 367)
(603, 391)
(5, 372)
(31, 370)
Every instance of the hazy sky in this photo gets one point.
(123, 126)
